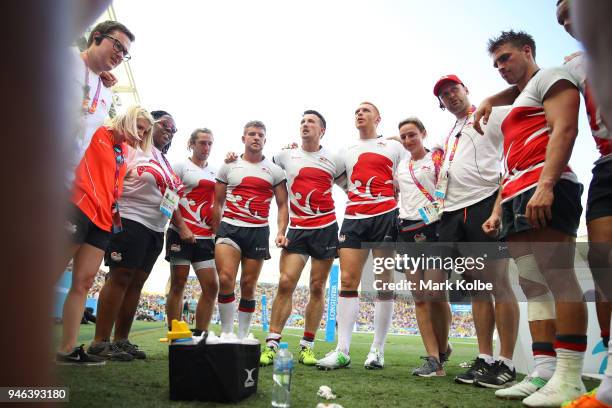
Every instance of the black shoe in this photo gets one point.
(500, 376)
(130, 348)
(197, 332)
(477, 368)
(109, 351)
(78, 356)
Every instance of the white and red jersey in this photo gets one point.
(310, 179)
(198, 197)
(603, 137)
(148, 175)
(250, 188)
(370, 165)
(526, 135)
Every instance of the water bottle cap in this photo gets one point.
(283, 345)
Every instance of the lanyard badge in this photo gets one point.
(170, 200)
(116, 217)
(430, 213)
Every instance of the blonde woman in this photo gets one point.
(94, 213)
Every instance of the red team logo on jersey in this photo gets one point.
(372, 178)
(157, 175)
(311, 199)
(250, 200)
(199, 210)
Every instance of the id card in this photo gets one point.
(441, 186)
(169, 203)
(430, 213)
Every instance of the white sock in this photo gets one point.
(348, 312)
(226, 312)
(272, 340)
(246, 307)
(487, 358)
(383, 313)
(305, 343)
(544, 366)
(508, 362)
(569, 365)
(604, 393)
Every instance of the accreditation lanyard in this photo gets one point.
(170, 200)
(442, 183)
(170, 183)
(87, 108)
(119, 161)
(454, 148)
(418, 183)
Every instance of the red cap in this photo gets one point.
(445, 79)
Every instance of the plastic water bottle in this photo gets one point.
(281, 387)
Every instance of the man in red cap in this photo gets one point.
(467, 188)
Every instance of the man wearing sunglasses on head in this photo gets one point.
(107, 46)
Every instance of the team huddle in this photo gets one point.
(500, 174)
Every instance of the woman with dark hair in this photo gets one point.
(97, 188)
(197, 248)
(416, 176)
(150, 196)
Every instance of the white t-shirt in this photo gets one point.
(250, 188)
(86, 123)
(473, 173)
(370, 165)
(526, 135)
(310, 179)
(145, 183)
(198, 197)
(603, 137)
(411, 197)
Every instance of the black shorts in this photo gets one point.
(82, 230)
(380, 229)
(599, 201)
(415, 238)
(252, 242)
(566, 210)
(135, 247)
(318, 243)
(176, 248)
(464, 226)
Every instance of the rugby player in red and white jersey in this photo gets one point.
(194, 245)
(244, 189)
(598, 213)
(370, 217)
(472, 167)
(313, 232)
(539, 202)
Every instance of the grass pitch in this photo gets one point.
(145, 383)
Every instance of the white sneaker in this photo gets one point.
(565, 384)
(525, 388)
(375, 360)
(554, 394)
(333, 360)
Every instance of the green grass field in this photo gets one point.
(145, 383)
